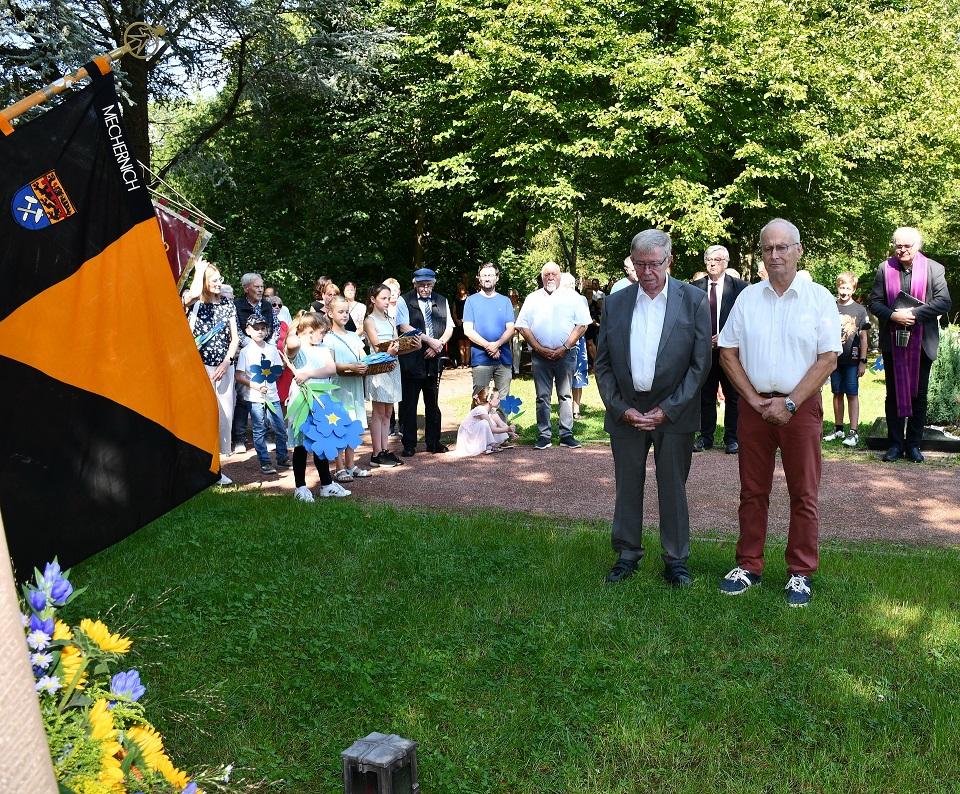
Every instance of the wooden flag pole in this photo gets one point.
(139, 40)
(24, 756)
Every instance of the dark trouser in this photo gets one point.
(241, 415)
(300, 467)
(546, 374)
(708, 404)
(914, 424)
(671, 454)
(411, 388)
(799, 444)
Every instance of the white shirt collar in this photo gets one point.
(662, 294)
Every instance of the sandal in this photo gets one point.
(343, 476)
(358, 474)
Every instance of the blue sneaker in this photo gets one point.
(542, 443)
(798, 591)
(738, 581)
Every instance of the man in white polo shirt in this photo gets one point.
(779, 345)
(552, 320)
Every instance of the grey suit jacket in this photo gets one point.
(683, 359)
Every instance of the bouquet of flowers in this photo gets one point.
(100, 741)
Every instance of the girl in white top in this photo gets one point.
(383, 389)
(309, 360)
(347, 350)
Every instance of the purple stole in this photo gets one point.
(906, 360)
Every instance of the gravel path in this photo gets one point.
(902, 502)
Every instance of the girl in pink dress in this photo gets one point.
(482, 430)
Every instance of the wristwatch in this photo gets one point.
(790, 405)
(863, 361)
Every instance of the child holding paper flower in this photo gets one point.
(347, 350)
(310, 361)
(258, 369)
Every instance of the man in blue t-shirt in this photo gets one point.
(488, 324)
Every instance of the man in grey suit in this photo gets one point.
(653, 356)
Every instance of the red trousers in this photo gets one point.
(799, 444)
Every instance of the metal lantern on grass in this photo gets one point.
(380, 763)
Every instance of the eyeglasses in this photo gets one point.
(779, 248)
(716, 259)
(903, 246)
(649, 265)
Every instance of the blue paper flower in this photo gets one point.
(127, 685)
(510, 404)
(265, 371)
(328, 428)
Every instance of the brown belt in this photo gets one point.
(772, 394)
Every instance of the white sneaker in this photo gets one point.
(224, 480)
(239, 449)
(334, 489)
(852, 439)
(358, 473)
(302, 494)
(836, 435)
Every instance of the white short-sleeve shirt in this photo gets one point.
(552, 316)
(780, 336)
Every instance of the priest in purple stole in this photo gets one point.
(909, 294)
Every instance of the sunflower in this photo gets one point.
(61, 631)
(150, 744)
(175, 777)
(101, 721)
(71, 660)
(100, 634)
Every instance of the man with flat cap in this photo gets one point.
(424, 310)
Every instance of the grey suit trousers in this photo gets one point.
(671, 454)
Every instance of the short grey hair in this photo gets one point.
(247, 278)
(714, 249)
(794, 231)
(649, 239)
(909, 231)
(548, 264)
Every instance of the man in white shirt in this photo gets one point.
(778, 346)
(653, 355)
(629, 276)
(552, 321)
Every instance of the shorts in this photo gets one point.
(844, 380)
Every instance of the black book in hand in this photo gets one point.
(905, 301)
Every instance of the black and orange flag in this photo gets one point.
(110, 420)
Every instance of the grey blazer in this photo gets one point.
(683, 359)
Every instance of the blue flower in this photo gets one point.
(37, 599)
(51, 572)
(190, 789)
(510, 404)
(37, 624)
(328, 428)
(127, 685)
(265, 371)
(61, 591)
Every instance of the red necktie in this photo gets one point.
(713, 308)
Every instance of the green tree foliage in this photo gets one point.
(943, 400)
(500, 129)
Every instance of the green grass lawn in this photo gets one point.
(272, 634)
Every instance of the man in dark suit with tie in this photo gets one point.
(722, 290)
(653, 354)
(909, 337)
